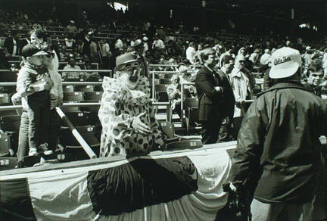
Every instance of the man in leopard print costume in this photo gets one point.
(126, 113)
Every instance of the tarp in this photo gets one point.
(183, 185)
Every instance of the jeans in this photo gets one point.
(39, 118)
(23, 136)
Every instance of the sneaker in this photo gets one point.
(43, 147)
(32, 152)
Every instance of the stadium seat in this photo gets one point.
(190, 105)
(68, 88)
(98, 87)
(74, 150)
(4, 99)
(78, 118)
(8, 76)
(93, 96)
(8, 89)
(73, 97)
(161, 93)
(168, 75)
(165, 81)
(84, 88)
(10, 123)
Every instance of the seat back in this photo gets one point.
(73, 97)
(68, 88)
(93, 96)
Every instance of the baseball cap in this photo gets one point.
(32, 50)
(285, 63)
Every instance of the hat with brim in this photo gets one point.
(285, 63)
(126, 58)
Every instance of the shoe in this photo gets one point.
(20, 164)
(43, 147)
(32, 152)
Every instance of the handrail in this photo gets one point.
(88, 70)
(16, 107)
(4, 84)
(182, 98)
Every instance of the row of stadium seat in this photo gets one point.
(5, 98)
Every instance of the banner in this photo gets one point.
(185, 185)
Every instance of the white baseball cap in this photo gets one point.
(285, 63)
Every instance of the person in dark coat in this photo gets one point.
(12, 44)
(278, 158)
(213, 91)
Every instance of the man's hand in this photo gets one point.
(139, 126)
(16, 98)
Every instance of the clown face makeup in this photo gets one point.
(130, 74)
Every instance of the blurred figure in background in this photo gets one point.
(71, 67)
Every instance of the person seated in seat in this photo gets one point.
(126, 113)
(71, 66)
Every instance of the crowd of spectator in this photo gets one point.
(79, 44)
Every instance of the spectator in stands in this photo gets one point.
(145, 46)
(119, 46)
(190, 53)
(33, 85)
(198, 56)
(127, 116)
(4, 64)
(94, 56)
(241, 52)
(86, 50)
(254, 57)
(226, 53)
(210, 89)
(324, 62)
(38, 38)
(12, 44)
(174, 95)
(286, 176)
(242, 91)
(158, 47)
(307, 57)
(315, 72)
(71, 67)
(70, 42)
(105, 53)
(227, 65)
(71, 27)
(265, 58)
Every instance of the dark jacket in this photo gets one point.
(211, 102)
(278, 144)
